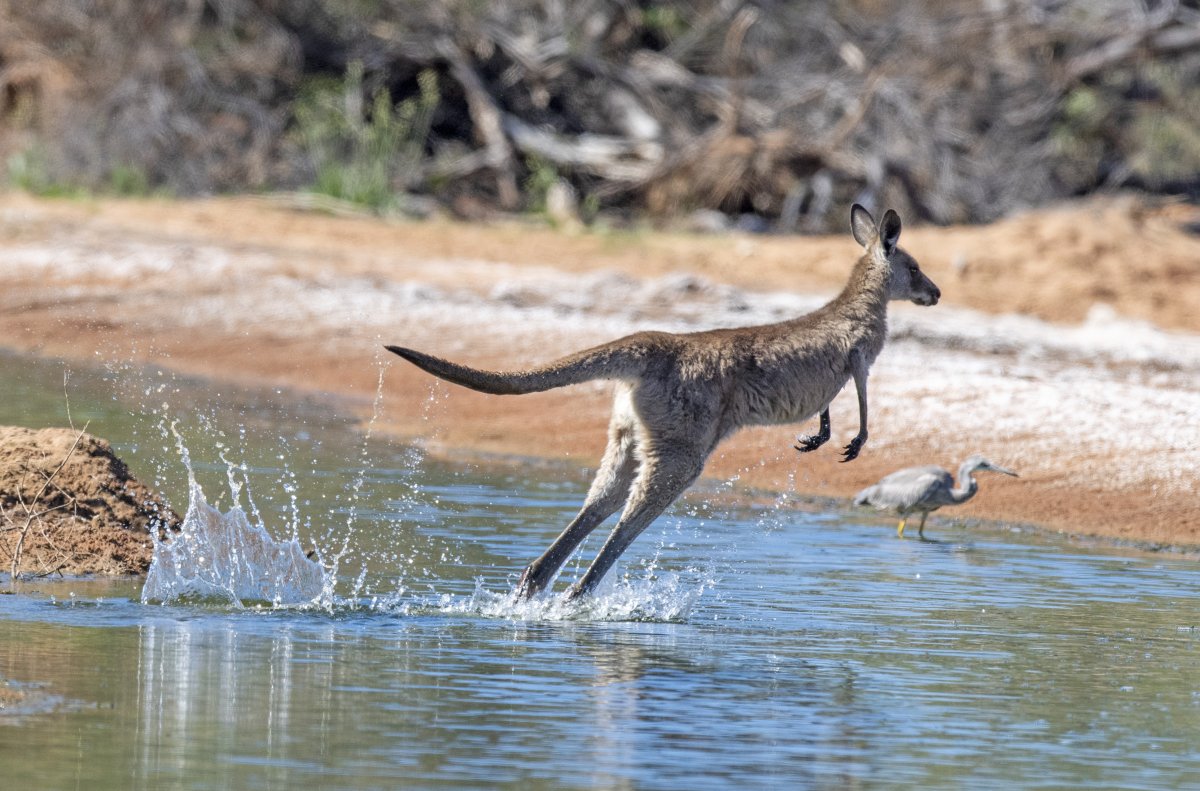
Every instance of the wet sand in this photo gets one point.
(1067, 345)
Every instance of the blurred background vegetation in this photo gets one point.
(776, 114)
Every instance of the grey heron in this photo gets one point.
(926, 488)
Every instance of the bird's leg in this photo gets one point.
(921, 529)
(900, 529)
(858, 366)
(814, 441)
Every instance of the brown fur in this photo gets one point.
(678, 395)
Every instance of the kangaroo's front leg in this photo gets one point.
(814, 441)
(858, 367)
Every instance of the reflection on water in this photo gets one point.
(197, 701)
(738, 646)
(760, 688)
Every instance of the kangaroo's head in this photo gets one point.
(905, 279)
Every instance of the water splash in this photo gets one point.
(662, 597)
(227, 557)
(369, 552)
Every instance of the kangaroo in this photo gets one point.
(678, 395)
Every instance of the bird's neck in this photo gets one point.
(966, 486)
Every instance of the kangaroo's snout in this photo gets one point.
(928, 295)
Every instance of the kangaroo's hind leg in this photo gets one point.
(660, 480)
(608, 492)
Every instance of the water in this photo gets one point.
(750, 644)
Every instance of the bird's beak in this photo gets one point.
(997, 468)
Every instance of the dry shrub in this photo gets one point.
(949, 110)
(186, 94)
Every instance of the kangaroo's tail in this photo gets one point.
(611, 361)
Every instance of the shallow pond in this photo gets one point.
(742, 643)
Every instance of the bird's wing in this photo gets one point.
(910, 487)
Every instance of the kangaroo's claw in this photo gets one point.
(806, 444)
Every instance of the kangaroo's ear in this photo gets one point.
(889, 231)
(862, 225)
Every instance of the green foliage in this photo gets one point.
(128, 181)
(664, 20)
(1167, 130)
(589, 209)
(364, 152)
(1084, 107)
(1078, 136)
(542, 175)
(1169, 150)
(1155, 140)
(28, 170)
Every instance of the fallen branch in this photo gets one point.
(485, 115)
(614, 158)
(1154, 36)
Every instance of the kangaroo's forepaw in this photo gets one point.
(810, 443)
(851, 452)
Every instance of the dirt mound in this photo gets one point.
(69, 506)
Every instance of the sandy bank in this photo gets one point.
(1067, 345)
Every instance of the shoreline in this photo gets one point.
(1096, 410)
